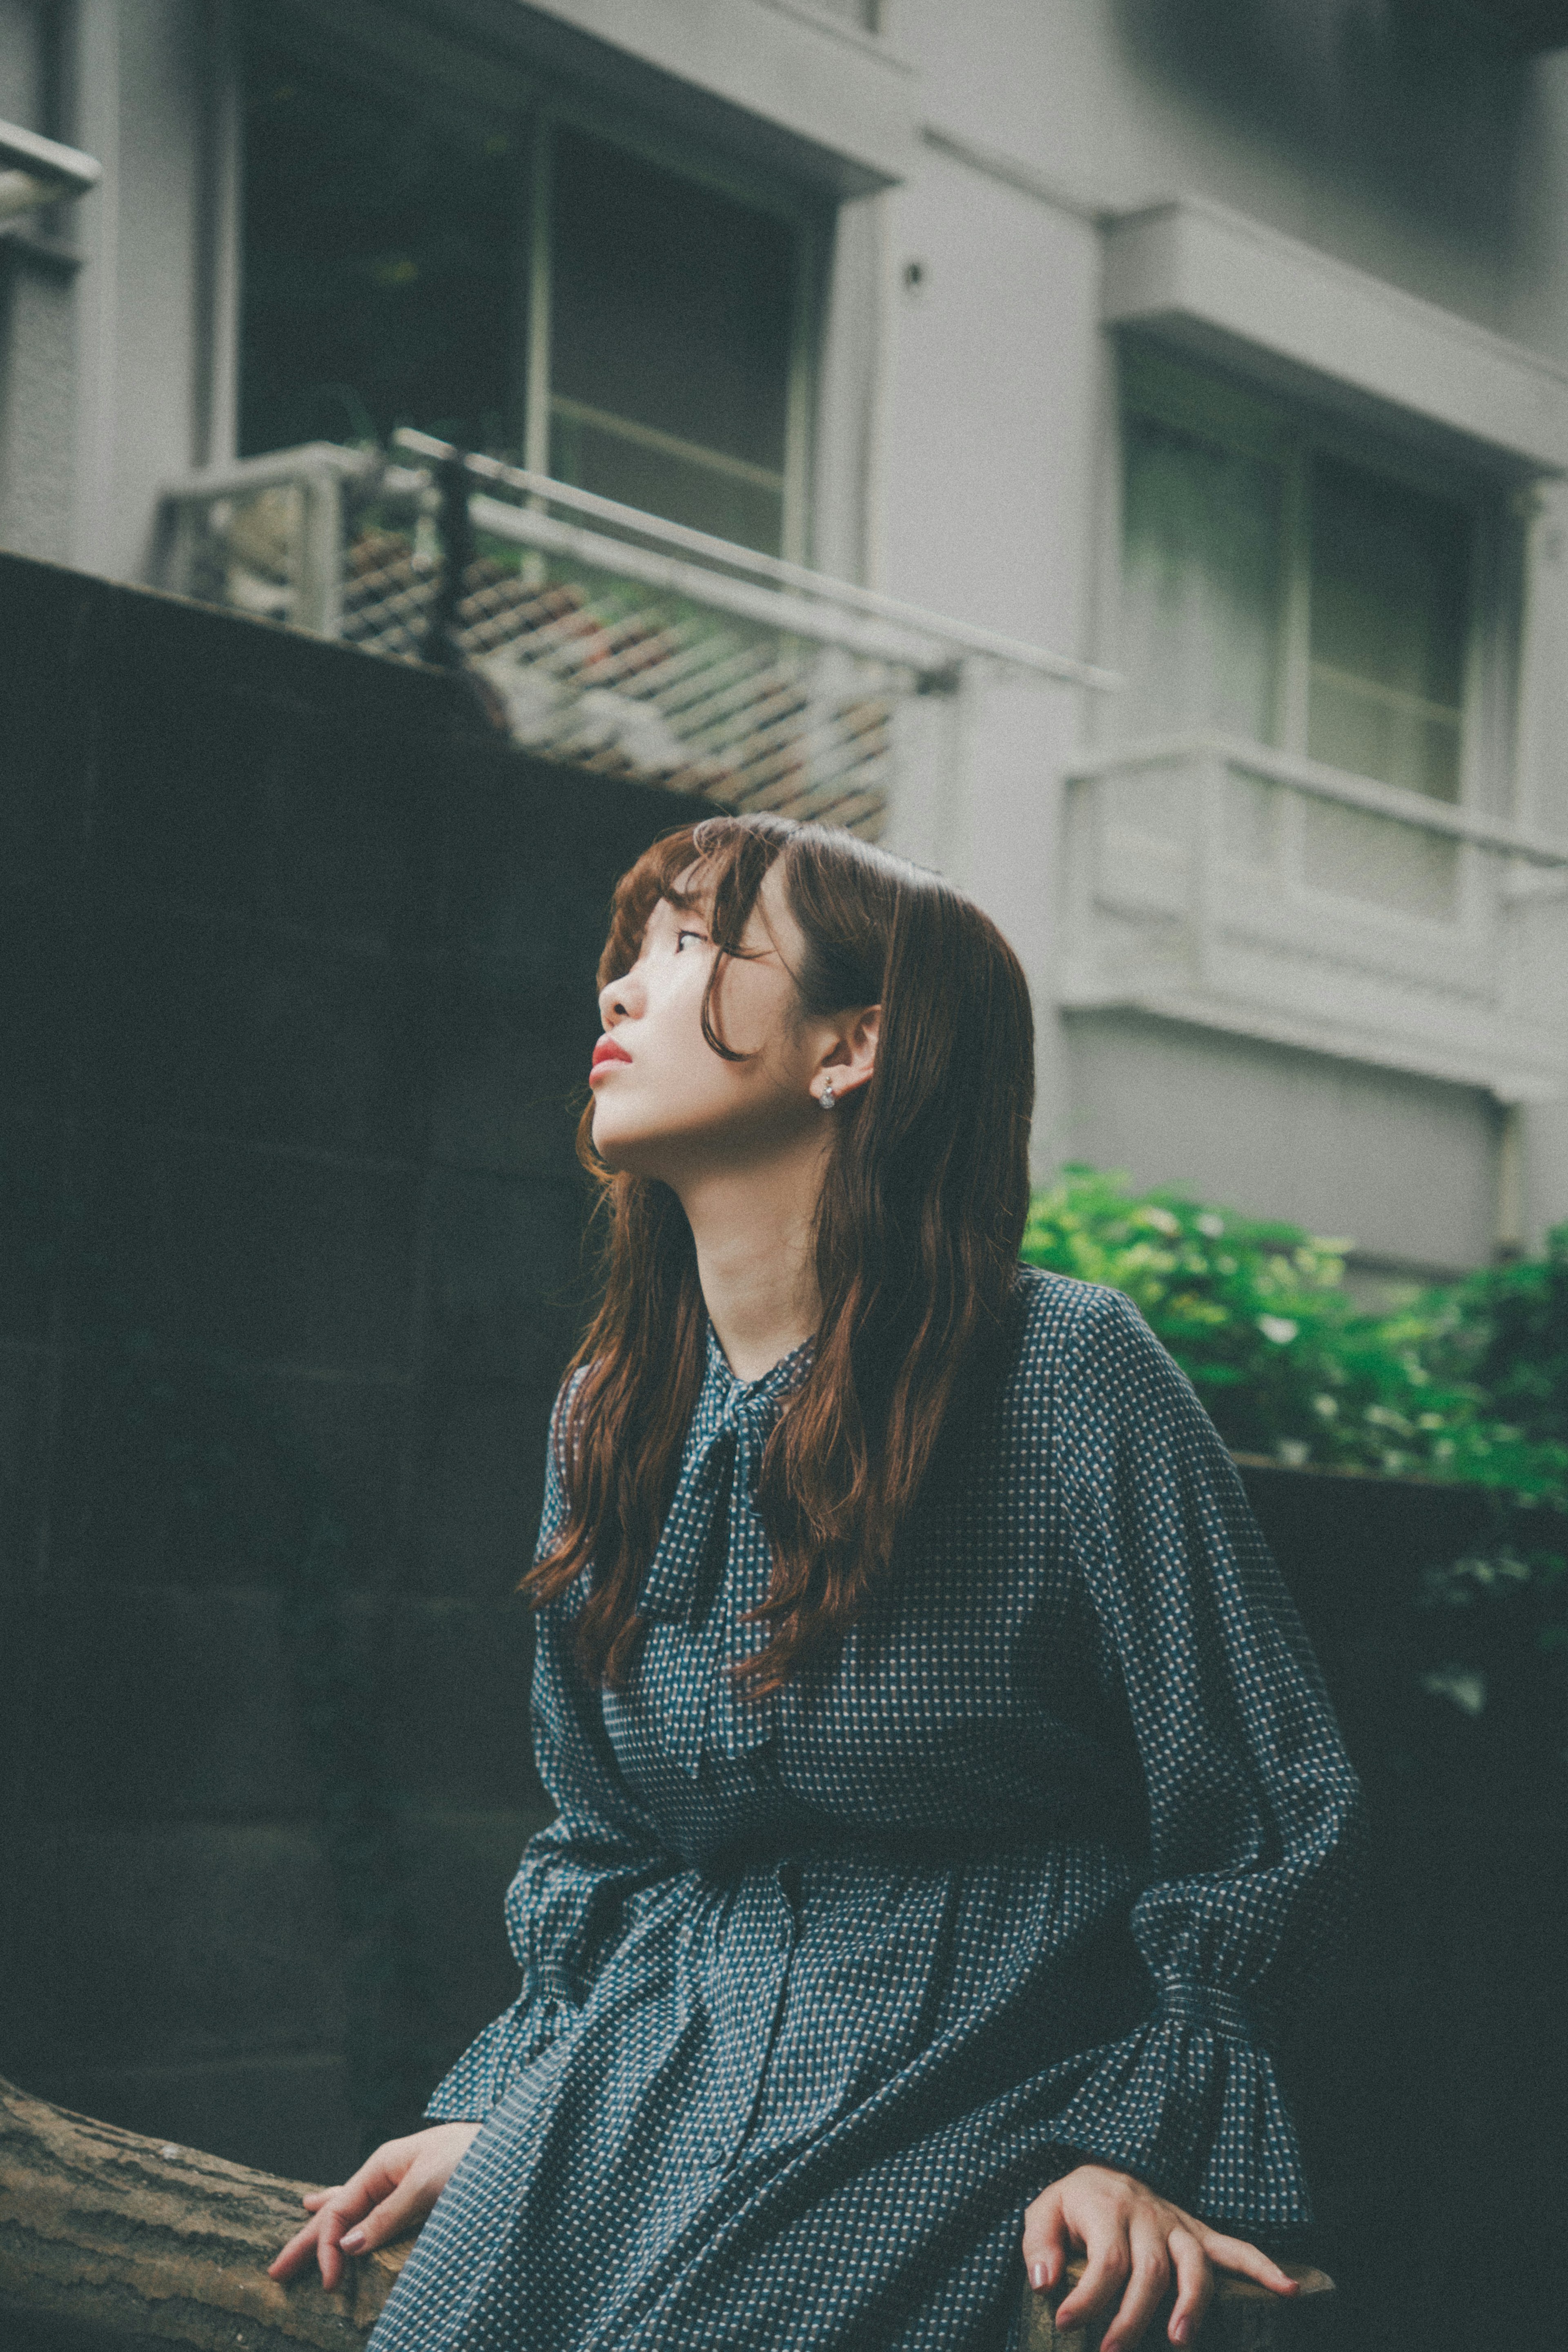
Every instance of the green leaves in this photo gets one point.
(1468, 1382)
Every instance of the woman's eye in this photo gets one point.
(700, 937)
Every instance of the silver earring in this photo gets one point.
(829, 1097)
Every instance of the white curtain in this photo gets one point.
(1201, 584)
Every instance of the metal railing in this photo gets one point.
(1219, 882)
(607, 638)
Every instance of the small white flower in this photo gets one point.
(1327, 1406)
(1294, 1452)
(1161, 1219)
(1210, 1225)
(1279, 1329)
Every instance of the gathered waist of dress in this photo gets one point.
(916, 1852)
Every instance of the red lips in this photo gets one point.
(607, 1050)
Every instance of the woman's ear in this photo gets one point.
(850, 1058)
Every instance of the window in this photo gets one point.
(381, 264)
(524, 285)
(1277, 587)
(671, 312)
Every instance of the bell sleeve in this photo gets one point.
(569, 1905)
(1255, 1826)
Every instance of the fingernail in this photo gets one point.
(1037, 2275)
(352, 2243)
(1181, 2331)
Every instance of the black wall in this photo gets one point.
(1433, 2096)
(295, 1007)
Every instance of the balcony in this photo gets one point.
(605, 638)
(1250, 890)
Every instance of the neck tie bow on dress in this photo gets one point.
(724, 1451)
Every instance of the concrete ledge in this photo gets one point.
(1218, 283)
(841, 107)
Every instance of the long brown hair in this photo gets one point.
(917, 1236)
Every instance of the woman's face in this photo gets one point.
(664, 1104)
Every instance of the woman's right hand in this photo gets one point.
(387, 2198)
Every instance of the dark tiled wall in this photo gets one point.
(296, 964)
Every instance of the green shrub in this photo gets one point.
(1467, 1383)
(1505, 1329)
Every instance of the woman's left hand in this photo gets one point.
(1134, 2244)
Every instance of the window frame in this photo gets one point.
(1214, 404)
(684, 159)
(434, 67)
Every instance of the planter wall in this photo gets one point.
(1434, 2109)
(297, 959)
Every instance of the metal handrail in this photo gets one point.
(847, 594)
(791, 615)
(1292, 768)
(242, 474)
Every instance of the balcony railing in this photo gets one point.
(607, 638)
(1213, 881)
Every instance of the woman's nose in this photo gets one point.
(614, 1000)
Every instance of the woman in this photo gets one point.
(948, 1799)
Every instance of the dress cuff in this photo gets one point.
(1191, 2103)
(494, 2059)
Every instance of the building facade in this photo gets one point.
(1219, 348)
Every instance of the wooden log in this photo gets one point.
(1242, 2317)
(110, 2239)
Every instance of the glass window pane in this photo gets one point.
(1390, 625)
(1201, 583)
(671, 322)
(380, 269)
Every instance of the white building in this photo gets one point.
(1219, 344)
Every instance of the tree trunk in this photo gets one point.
(111, 2240)
(1242, 2318)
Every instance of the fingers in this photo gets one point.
(332, 2223)
(1148, 2277)
(391, 2193)
(1195, 2286)
(337, 2211)
(295, 2255)
(1045, 2241)
(1106, 2271)
(1236, 2254)
(284, 2264)
(408, 2203)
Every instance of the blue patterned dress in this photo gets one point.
(817, 1996)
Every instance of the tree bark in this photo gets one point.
(1242, 2317)
(111, 2240)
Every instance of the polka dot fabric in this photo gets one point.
(815, 1999)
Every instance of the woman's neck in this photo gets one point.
(754, 1230)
